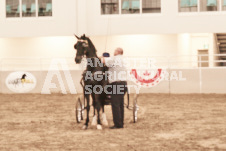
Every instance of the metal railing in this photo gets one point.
(174, 61)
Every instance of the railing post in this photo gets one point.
(169, 66)
(1, 84)
(200, 73)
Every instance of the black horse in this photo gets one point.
(85, 48)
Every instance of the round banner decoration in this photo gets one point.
(20, 82)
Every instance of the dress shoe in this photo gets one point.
(115, 127)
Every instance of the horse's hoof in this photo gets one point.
(99, 127)
(94, 121)
(84, 127)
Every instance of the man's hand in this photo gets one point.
(102, 59)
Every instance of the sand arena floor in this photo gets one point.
(165, 122)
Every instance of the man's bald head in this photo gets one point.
(118, 51)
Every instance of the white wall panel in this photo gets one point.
(50, 47)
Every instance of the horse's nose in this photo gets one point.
(75, 46)
(77, 60)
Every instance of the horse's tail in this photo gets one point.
(81, 82)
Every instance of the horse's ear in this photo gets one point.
(76, 36)
(84, 36)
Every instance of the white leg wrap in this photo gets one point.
(94, 121)
(104, 119)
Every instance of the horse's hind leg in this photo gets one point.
(94, 104)
(98, 116)
(104, 118)
(98, 106)
(94, 121)
(87, 110)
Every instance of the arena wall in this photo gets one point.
(160, 46)
(134, 45)
(174, 52)
(203, 80)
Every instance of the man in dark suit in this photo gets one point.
(117, 80)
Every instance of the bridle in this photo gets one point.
(84, 42)
(85, 45)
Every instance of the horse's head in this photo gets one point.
(23, 76)
(82, 47)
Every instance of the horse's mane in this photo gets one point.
(91, 45)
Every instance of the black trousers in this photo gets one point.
(117, 102)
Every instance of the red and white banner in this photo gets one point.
(147, 78)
